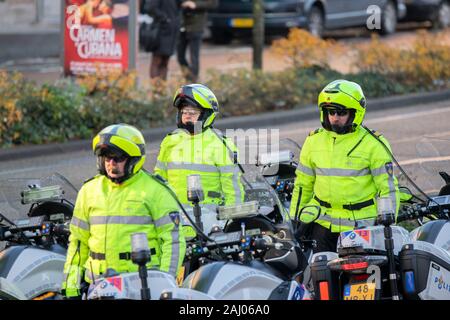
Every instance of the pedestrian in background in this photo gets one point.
(167, 14)
(193, 22)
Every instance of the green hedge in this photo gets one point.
(69, 110)
(251, 92)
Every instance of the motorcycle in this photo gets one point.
(385, 261)
(128, 286)
(253, 242)
(278, 168)
(33, 257)
(250, 253)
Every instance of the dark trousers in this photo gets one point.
(193, 40)
(326, 240)
(159, 66)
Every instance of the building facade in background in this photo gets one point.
(24, 14)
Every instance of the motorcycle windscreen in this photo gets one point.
(17, 195)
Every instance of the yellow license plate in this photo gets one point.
(242, 23)
(360, 291)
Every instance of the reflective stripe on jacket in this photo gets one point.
(344, 170)
(205, 154)
(107, 214)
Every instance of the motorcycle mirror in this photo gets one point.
(140, 252)
(140, 255)
(445, 190)
(194, 188)
(385, 210)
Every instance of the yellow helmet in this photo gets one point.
(120, 139)
(199, 96)
(342, 94)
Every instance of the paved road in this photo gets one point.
(419, 136)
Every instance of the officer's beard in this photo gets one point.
(341, 129)
(116, 171)
(344, 128)
(192, 127)
(189, 126)
(122, 175)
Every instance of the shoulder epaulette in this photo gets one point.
(92, 178)
(154, 176)
(314, 132)
(159, 178)
(171, 133)
(177, 130)
(378, 134)
(375, 132)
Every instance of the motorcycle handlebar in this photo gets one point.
(8, 233)
(61, 229)
(414, 211)
(266, 243)
(404, 217)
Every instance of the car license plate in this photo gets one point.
(242, 23)
(359, 291)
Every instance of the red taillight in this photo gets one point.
(354, 266)
(324, 294)
(360, 277)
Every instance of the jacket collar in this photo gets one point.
(127, 182)
(350, 135)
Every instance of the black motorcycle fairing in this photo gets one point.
(281, 292)
(289, 261)
(204, 276)
(57, 248)
(264, 267)
(49, 208)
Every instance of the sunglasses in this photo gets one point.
(340, 113)
(115, 158)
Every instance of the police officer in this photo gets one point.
(121, 200)
(197, 148)
(343, 167)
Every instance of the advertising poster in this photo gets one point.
(96, 36)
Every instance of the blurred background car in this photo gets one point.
(436, 11)
(234, 17)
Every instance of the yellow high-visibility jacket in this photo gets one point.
(344, 174)
(106, 214)
(205, 154)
